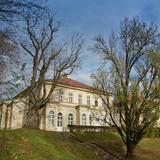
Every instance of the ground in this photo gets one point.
(29, 144)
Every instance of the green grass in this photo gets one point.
(148, 149)
(93, 136)
(110, 141)
(29, 144)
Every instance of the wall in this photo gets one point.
(13, 115)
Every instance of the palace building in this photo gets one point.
(72, 103)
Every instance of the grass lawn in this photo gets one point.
(29, 144)
(148, 148)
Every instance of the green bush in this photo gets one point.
(153, 132)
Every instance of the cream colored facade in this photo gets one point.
(68, 105)
(83, 113)
(12, 115)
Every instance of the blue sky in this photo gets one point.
(91, 17)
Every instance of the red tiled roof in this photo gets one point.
(73, 83)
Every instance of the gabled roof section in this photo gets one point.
(63, 81)
(73, 83)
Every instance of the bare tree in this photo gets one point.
(12, 10)
(6, 48)
(130, 73)
(12, 13)
(48, 58)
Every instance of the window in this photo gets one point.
(88, 100)
(70, 119)
(51, 118)
(84, 120)
(90, 120)
(61, 94)
(96, 101)
(0, 112)
(70, 97)
(79, 99)
(60, 118)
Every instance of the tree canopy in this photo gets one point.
(130, 72)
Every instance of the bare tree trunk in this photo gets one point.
(44, 118)
(34, 116)
(6, 117)
(31, 118)
(11, 116)
(130, 150)
(1, 109)
(38, 119)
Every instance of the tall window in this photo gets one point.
(70, 119)
(70, 97)
(90, 120)
(96, 101)
(84, 120)
(60, 119)
(51, 118)
(88, 100)
(61, 94)
(79, 99)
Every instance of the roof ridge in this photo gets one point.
(78, 81)
(74, 83)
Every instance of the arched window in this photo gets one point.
(70, 119)
(60, 119)
(84, 120)
(51, 118)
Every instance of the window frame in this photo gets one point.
(51, 118)
(80, 99)
(59, 119)
(84, 119)
(70, 119)
(70, 97)
(88, 100)
(96, 102)
(61, 95)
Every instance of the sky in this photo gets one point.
(93, 17)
